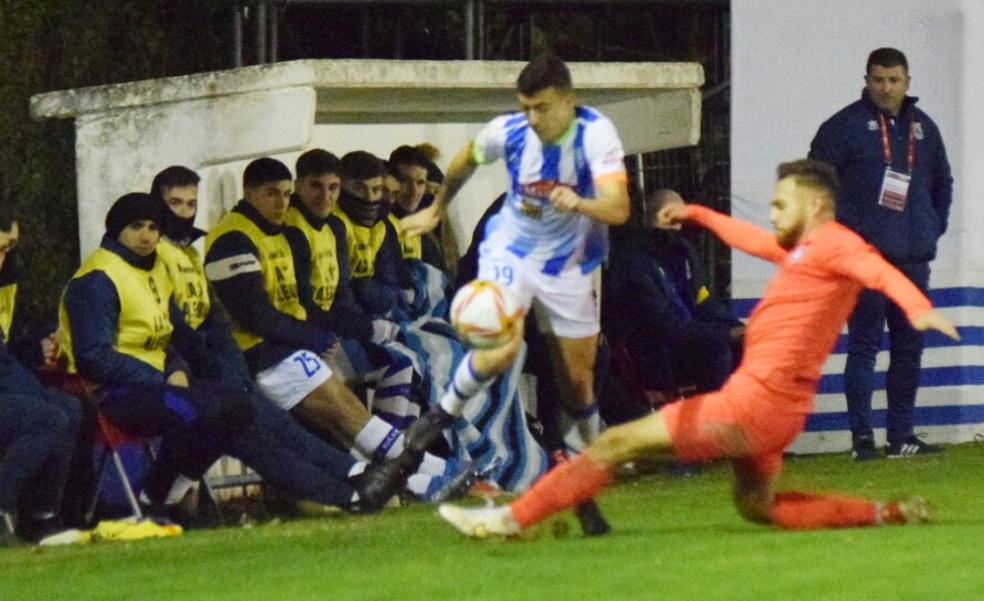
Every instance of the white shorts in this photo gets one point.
(288, 382)
(569, 298)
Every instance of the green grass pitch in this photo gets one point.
(673, 539)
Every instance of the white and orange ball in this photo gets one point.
(484, 313)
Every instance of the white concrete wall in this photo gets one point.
(796, 62)
(120, 151)
(222, 183)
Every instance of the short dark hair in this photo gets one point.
(544, 71)
(316, 162)
(811, 173)
(655, 200)
(361, 165)
(434, 173)
(888, 58)
(263, 171)
(175, 176)
(409, 156)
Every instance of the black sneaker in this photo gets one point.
(593, 523)
(32, 529)
(909, 446)
(426, 429)
(864, 449)
(455, 485)
(380, 482)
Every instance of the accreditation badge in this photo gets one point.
(894, 190)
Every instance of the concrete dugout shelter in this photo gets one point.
(217, 122)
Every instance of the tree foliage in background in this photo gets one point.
(59, 44)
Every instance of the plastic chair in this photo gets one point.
(111, 438)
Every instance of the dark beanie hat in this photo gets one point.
(135, 206)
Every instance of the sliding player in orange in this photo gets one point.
(763, 407)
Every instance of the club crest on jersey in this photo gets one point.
(537, 190)
(534, 195)
(917, 130)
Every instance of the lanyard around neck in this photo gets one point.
(887, 143)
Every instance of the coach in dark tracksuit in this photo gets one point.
(895, 191)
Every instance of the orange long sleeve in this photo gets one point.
(746, 237)
(868, 268)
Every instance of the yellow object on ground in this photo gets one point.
(109, 530)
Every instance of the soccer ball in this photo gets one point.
(484, 313)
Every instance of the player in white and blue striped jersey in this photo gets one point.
(568, 183)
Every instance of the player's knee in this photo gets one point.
(616, 445)
(582, 381)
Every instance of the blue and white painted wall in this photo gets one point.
(795, 62)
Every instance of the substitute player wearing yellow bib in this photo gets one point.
(250, 264)
(118, 321)
(274, 444)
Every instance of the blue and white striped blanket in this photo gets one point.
(493, 429)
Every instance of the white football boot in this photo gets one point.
(480, 522)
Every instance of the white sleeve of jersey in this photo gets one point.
(490, 143)
(603, 148)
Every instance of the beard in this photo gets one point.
(790, 237)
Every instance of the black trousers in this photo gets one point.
(37, 437)
(196, 426)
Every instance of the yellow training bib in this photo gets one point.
(144, 329)
(324, 258)
(184, 266)
(276, 266)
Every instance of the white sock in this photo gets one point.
(588, 423)
(8, 521)
(379, 439)
(357, 468)
(179, 488)
(432, 465)
(418, 483)
(465, 385)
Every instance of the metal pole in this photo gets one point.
(261, 27)
(274, 32)
(237, 36)
(532, 25)
(364, 23)
(469, 30)
(400, 32)
(480, 30)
